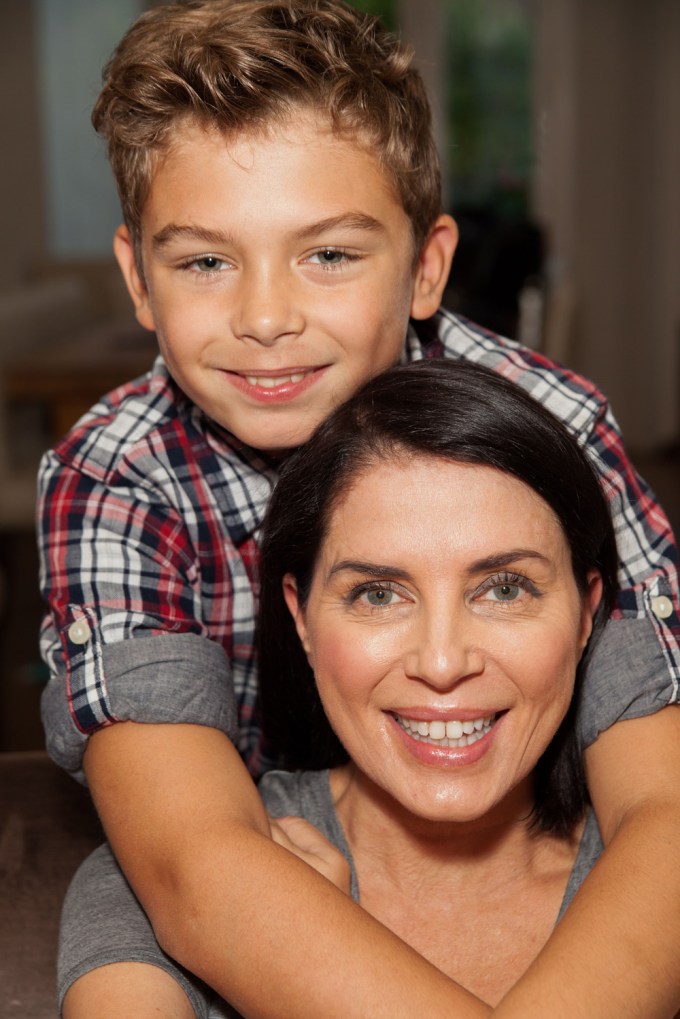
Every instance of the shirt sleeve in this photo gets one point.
(635, 668)
(118, 564)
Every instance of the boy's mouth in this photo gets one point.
(272, 381)
(276, 387)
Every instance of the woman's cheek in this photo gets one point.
(353, 658)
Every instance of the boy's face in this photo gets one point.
(278, 274)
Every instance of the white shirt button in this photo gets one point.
(662, 607)
(79, 632)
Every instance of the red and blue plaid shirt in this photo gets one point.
(148, 523)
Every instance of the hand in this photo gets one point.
(309, 845)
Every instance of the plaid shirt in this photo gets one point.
(148, 520)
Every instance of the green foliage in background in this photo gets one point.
(489, 102)
(384, 9)
(489, 158)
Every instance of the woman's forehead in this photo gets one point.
(431, 506)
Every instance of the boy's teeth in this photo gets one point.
(271, 382)
(451, 733)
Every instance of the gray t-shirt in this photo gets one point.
(102, 921)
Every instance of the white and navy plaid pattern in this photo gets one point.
(148, 519)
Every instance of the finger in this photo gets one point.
(279, 835)
(305, 836)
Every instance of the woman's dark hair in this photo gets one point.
(455, 411)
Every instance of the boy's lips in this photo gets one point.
(276, 386)
(272, 381)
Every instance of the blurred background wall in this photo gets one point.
(558, 123)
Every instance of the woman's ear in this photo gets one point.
(433, 267)
(290, 594)
(591, 600)
(124, 250)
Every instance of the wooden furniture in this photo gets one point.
(68, 376)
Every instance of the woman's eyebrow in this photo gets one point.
(499, 560)
(378, 570)
(495, 561)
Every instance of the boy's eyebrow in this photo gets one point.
(347, 221)
(194, 232)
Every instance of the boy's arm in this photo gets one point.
(615, 952)
(275, 939)
(619, 942)
(176, 799)
(142, 781)
(258, 925)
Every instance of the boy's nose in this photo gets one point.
(444, 652)
(266, 309)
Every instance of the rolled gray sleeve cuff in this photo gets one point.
(170, 678)
(626, 677)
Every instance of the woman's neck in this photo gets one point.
(375, 822)
(460, 894)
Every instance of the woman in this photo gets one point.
(435, 564)
(444, 553)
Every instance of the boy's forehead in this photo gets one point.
(191, 141)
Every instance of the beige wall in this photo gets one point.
(608, 191)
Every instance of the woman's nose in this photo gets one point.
(267, 307)
(444, 650)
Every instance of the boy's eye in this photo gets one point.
(329, 258)
(207, 263)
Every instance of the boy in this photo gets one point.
(282, 225)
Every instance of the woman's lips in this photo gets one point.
(429, 742)
(452, 732)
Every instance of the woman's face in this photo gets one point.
(444, 626)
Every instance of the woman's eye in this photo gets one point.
(507, 589)
(375, 596)
(504, 592)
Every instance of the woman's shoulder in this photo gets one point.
(589, 850)
(302, 793)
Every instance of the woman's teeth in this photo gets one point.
(447, 734)
(271, 382)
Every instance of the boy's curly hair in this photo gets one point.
(240, 65)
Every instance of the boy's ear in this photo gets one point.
(434, 265)
(290, 594)
(124, 251)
